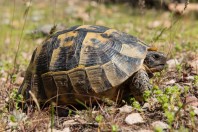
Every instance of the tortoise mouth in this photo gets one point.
(157, 68)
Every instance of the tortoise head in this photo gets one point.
(154, 61)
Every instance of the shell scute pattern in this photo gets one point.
(67, 55)
(60, 84)
(95, 45)
(100, 82)
(114, 75)
(92, 28)
(63, 86)
(127, 64)
(79, 81)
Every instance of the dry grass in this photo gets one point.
(174, 35)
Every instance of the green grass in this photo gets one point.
(175, 39)
(121, 17)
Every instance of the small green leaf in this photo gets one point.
(114, 128)
(12, 118)
(99, 118)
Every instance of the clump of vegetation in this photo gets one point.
(172, 105)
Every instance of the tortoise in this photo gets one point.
(90, 62)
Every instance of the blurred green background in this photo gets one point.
(173, 33)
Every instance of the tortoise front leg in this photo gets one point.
(139, 84)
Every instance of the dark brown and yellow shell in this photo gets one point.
(82, 60)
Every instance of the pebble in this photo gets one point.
(154, 24)
(146, 106)
(190, 78)
(172, 63)
(125, 109)
(195, 110)
(192, 101)
(194, 65)
(19, 80)
(160, 124)
(134, 118)
(69, 122)
(66, 129)
(172, 81)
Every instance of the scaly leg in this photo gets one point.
(139, 84)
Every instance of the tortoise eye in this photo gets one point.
(156, 56)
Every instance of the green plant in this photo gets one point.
(17, 119)
(11, 112)
(192, 117)
(178, 47)
(114, 128)
(179, 69)
(146, 95)
(183, 129)
(158, 129)
(170, 101)
(70, 112)
(99, 118)
(196, 80)
(135, 104)
(170, 116)
(15, 98)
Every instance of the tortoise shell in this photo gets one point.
(83, 61)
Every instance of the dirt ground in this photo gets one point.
(172, 104)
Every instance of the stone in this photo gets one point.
(125, 109)
(69, 122)
(194, 64)
(195, 109)
(192, 101)
(170, 82)
(160, 124)
(146, 106)
(154, 24)
(134, 118)
(66, 129)
(172, 63)
(19, 80)
(190, 78)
